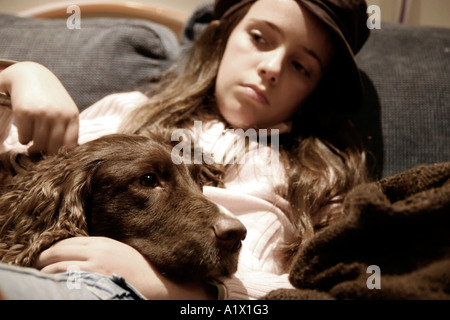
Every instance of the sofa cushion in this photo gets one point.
(106, 55)
(406, 114)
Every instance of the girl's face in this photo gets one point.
(273, 60)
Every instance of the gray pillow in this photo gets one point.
(106, 55)
(406, 112)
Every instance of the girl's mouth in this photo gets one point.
(256, 93)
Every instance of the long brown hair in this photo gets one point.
(187, 90)
(322, 154)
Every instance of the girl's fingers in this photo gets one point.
(44, 111)
(25, 129)
(71, 249)
(70, 139)
(56, 136)
(64, 266)
(50, 135)
(40, 137)
(63, 132)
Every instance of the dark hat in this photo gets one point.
(346, 20)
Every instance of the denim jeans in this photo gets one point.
(20, 283)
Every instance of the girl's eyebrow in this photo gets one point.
(309, 51)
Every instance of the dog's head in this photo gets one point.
(125, 187)
(137, 195)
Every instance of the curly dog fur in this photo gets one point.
(124, 187)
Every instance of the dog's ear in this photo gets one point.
(44, 205)
(76, 198)
(12, 163)
(207, 174)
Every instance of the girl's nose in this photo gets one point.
(270, 67)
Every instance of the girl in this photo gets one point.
(281, 65)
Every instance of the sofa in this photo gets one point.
(404, 120)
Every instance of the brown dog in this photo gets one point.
(124, 187)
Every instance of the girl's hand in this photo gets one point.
(108, 256)
(43, 110)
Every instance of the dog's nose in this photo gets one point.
(230, 233)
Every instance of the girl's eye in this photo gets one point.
(257, 37)
(300, 68)
(149, 180)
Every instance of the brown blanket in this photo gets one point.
(393, 244)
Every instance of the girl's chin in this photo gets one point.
(240, 120)
(238, 124)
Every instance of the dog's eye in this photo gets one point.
(149, 180)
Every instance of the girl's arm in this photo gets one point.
(108, 256)
(43, 110)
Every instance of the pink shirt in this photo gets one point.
(253, 191)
